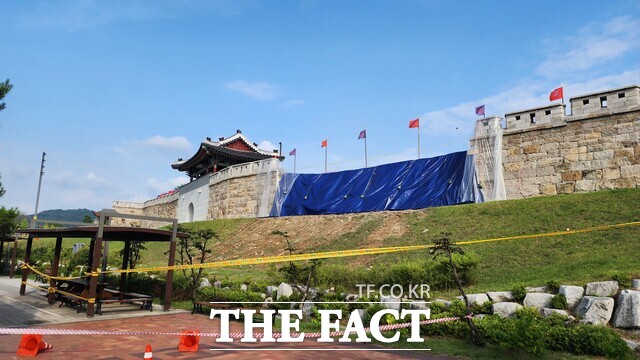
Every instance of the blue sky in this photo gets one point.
(114, 91)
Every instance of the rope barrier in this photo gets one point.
(40, 331)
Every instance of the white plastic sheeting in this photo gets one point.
(267, 178)
(486, 148)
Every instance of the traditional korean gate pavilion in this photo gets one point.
(98, 235)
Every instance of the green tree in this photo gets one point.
(87, 219)
(8, 220)
(443, 247)
(2, 191)
(194, 250)
(135, 253)
(5, 87)
(307, 275)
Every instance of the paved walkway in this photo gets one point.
(32, 310)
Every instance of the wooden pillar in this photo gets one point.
(169, 285)
(54, 268)
(93, 280)
(27, 258)
(13, 257)
(125, 266)
(92, 245)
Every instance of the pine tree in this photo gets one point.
(5, 87)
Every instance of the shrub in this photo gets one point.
(519, 292)
(526, 332)
(437, 308)
(588, 340)
(553, 286)
(559, 302)
(623, 279)
(457, 308)
(484, 308)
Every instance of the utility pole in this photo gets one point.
(35, 214)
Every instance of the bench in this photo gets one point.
(43, 279)
(146, 301)
(72, 301)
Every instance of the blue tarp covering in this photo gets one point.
(416, 184)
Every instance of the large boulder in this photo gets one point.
(284, 289)
(500, 296)
(506, 309)
(635, 284)
(538, 300)
(475, 298)
(573, 294)
(595, 310)
(536, 289)
(418, 305)
(602, 288)
(244, 287)
(391, 302)
(546, 312)
(627, 313)
(204, 282)
(307, 306)
(217, 284)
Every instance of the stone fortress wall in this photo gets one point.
(544, 151)
(239, 191)
(596, 147)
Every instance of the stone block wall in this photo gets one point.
(589, 153)
(126, 207)
(233, 198)
(167, 209)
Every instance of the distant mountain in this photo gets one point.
(64, 215)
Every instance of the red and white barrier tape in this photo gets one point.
(41, 331)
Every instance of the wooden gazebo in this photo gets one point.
(99, 235)
(8, 240)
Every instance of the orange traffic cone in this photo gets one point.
(189, 341)
(31, 345)
(148, 354)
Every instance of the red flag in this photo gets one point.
(363, 134)
(480, 110)
(556, 94)
(324, 143)
(414, 123)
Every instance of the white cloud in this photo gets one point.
(595, 44)
(267, 145)
(176, 143)
(256, 90)
(162, 186)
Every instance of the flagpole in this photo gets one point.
(326, 150)
(418, 138)
(365, 150)
(562, 87)
(295, 156)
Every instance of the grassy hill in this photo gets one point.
(569, 259)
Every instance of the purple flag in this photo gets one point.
(480, 110)
(363, 134)
(292, 152)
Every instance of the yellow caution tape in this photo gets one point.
(325, 255)
(356, 252)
